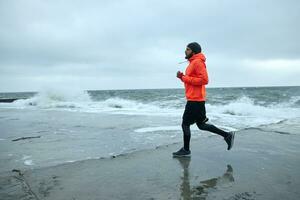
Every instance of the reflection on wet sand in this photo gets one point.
(201, 191)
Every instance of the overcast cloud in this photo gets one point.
(138, 43)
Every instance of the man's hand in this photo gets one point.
(179, 74)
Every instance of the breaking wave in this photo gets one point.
(239, 113)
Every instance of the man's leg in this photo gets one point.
(185, 151)
(186, 136)
(188, 118)
(186, 121)
(211, 128)
(228, 136)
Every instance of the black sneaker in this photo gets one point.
(182, 153)
(230, 140)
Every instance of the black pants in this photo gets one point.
(195, 113)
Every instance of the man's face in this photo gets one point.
(188, 53)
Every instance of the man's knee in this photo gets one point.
(202, 126)
(186, 129)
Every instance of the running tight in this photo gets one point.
(202, 126)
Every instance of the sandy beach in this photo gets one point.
(264, 164)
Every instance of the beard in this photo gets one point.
(189, 56)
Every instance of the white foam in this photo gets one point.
(294, 100)
(241, 113)
(55, 99)
(25, 157)
(28, 162)
(128, 107)
(244, 113)
(1, 139)
(159, 128)
(70, 161)
(80, 101)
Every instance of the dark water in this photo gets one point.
(260, 95)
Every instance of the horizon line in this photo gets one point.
(213, 87)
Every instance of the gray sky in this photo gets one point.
(138, 43)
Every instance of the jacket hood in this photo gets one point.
(197, 56)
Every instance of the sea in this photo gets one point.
(57, 126)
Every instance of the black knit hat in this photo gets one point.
(195, 47)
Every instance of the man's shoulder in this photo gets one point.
(197, 63)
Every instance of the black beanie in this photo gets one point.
(195, 47)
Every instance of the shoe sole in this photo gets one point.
(182, 155)
(232, 140)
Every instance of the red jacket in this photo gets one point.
(195, 78)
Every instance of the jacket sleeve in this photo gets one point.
(201, 77)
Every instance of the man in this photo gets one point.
(194, 80)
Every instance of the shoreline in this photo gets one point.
(179, 88)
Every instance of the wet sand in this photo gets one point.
(263, 164)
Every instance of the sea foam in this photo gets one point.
(242, 112)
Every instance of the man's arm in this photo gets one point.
(201, 79)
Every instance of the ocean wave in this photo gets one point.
(81, 101)
(118, 105)
(243, 113)
(243, 106)
(55, 99)
(240, 113)
(295, 101)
